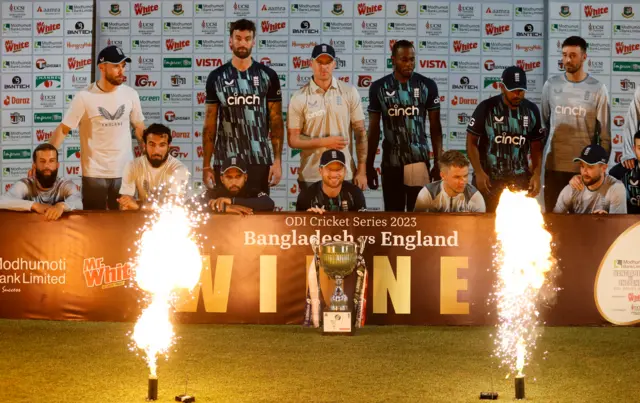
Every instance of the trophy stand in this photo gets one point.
(338, 260)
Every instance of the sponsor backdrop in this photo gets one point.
(464, 47)
(423, 270)
(46, 57)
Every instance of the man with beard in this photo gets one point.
(243, 108)
(331, 193)
(504, 131)
(44, 192)
(601, 193)
(233, 195)
(154, 175)
(104, 112)
(575, 110)
(405, 100)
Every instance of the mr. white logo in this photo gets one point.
(403, 111)
(572, 111)
(506, 138)
(234, 100)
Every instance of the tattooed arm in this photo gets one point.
(208, 140)
(277, 138)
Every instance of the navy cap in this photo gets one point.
(234, 162)
(592, 155)
(514, 78)
(323, 49)
(330, 156)
(112, 55)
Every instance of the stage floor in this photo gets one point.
(46, 362)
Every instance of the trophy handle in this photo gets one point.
(362, 242)
(315, 245)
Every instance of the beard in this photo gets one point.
(113, 80)
(242, 53)
(157, 162)
(591, 180)
(46, 180)
(572, 68)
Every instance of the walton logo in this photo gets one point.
(174, 46)
(300, 63)
(268, 27)
(142, 80)
(364, 9)
(43, 28)
(141, 9)
(496, 30)
(595, 12)
(403, 111)
(461, 47)
(234, 100)
(506, 138)
(433, 64)
(622, 49)
(15, 47)
(96, 273)
(572, 111)
(528, 66)
(78, 64)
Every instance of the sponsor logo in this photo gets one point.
(465, 84)
(50, 82)
(42, 28)
(595, 12)
(464, 47)
(565, 11)
(337, 9)
(11, 46)
(506, 138)
(177, 80)
(78, 64)
(627, 85)
(397, 110)
(201, 98)
(79, 29)
(495, 30)
(177, 9)
(16, 118)
(627, 12)
(305, 28)
(142, 80)
(528, 48)
(52, 117)
(142, 10)
(529, 32)
(300, 63)
(249, 99)
(618, 121)
(528, 66)
(271, 27)
(176, 46)
(624, 49)
(10, 100)
(367, 10)
(43, 135)
(177, 62)
(79, 46)
(149, 98)
(209, 62)
(176, 152)
(16, 154)
(114, 9)
(433, 64)
(364, 81)
(97, 274)
(17, 84)
(456, 100)
(401, 10)
(571, 110)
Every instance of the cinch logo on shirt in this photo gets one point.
(406, 111)
(572, 111)
(243, 100)
(504, 138)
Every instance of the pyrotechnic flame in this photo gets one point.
(522, 261)
(168, 260)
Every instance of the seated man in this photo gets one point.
(452, 194)
(630, 178)
(332, 193)
(154, 175)
(600, 193)
(44, 193)
(233, 196)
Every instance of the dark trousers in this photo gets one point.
(257, 177)
(492, 199)
(100, 193)
(554, 182)
(396, 195)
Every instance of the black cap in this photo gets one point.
(330, 156)
(234, 162)
(323, 49)
(592, 155)
(113, 55)
(514, 78)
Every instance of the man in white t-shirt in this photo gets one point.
(104, 112)
(154, 175)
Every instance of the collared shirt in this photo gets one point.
(610, 197)
(26, 191)
(169, 178)
(322, 114)
(434, 199)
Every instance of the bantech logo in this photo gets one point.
(528, 31)
(79, 28)
(16, 83)
(464, 83)
(305, 29)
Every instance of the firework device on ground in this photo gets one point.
(488, 395)
(152, 391)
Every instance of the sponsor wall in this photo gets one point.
(423, 270)
(46, 57)
(612, 30)
(175, 44)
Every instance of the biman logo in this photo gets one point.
(97, 274)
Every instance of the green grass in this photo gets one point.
(90, 362)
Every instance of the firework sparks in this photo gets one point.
(168, 260)
(523, 259)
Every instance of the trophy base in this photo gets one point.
(337, 323)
